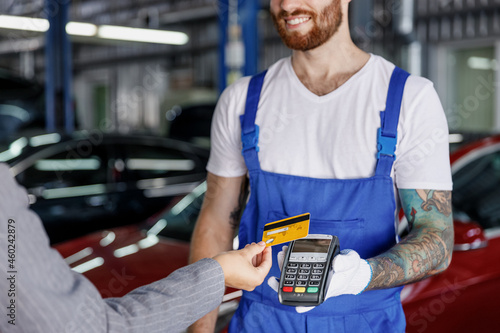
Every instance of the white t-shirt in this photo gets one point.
(335, 135)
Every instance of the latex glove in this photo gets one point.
(273, 281)
(350, 275)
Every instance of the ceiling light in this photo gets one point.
(125, 251)
(160, 164)
(76, 191)
(67, 164)
(81, 29)
(110, 237)
(142, 35)
(149, 241)
(159, 226)
(90, 30)
(45, 139)
(482, 63)
(79, 255)
(87, 266)
(455, 138)
(24, 23)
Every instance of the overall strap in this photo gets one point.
(249, 130)
(387, 133)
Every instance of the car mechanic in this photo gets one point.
(320, 143)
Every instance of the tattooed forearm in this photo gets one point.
(421, 254)
(427, 248)
(235, 215)
(441, 200)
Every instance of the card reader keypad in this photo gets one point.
(304, 277)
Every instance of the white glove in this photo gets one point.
(273, 281)
(350, 275)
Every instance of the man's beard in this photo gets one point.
(326, 24)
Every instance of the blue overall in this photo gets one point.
(359, 211)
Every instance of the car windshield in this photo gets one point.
(476, 190)
(21, 106)
(178, 222)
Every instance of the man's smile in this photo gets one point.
(304, 29)
(296, 21)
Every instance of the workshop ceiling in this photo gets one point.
(138, 13)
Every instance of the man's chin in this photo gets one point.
(302, 43)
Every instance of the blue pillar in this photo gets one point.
(248, 11)
(247, 20)
(50, 77)
(58, 69)
(67, 72)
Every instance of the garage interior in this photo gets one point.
(89, 73)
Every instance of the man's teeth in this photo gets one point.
(298, 20)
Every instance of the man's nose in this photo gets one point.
(290, 6)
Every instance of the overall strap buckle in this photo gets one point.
(250, 140)
(386, 145)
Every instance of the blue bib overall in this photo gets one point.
(359, 211)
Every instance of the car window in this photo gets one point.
(191, 123)
(69, 168)
(179, 221)
(146, 162)
(21, 106)
(476, 190)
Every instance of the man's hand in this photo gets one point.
(246, 268)
(349, 275)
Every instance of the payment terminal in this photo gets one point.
(305, 270)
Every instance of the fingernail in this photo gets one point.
(261, 243)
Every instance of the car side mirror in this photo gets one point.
(468, 236)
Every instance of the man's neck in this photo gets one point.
(327, 67)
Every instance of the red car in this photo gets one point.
(465, 298)
(121, 259)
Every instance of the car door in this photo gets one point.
(465, 297)
(154, 173)
(71, 185)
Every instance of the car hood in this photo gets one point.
(119, 260)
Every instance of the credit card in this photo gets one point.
(286, 230)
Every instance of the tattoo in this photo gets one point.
(412, 220)
(439, 199)
(426, 250)
(235, 215)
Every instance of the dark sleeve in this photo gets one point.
(47, 296)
